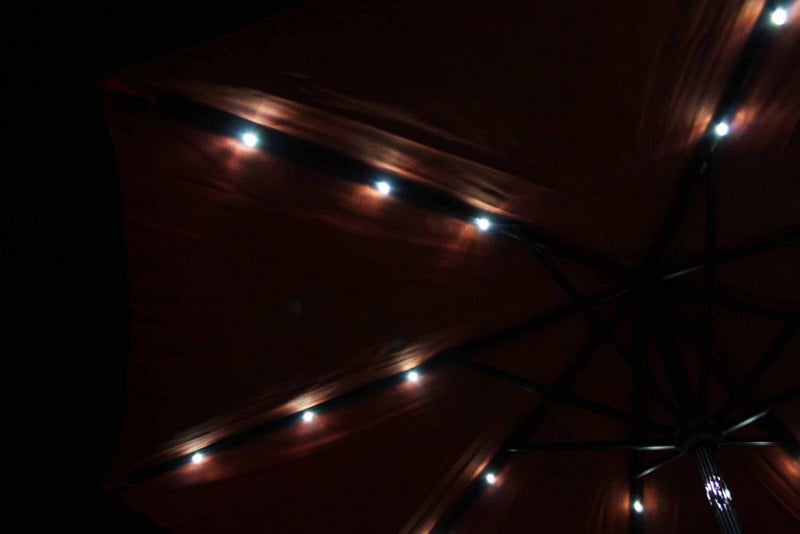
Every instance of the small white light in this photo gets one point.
(383, 187)
(638, 507)
(482, 223)
(412, 376)
(198, 457)
(717, 492)
(250, 139)
(491, 478)
(778, 16)
(722, 129)
(308, 416)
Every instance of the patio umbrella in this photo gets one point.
(485, 267)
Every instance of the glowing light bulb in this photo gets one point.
(198, 457)
(250, 139)
(308, 416)
(638, 506)
(722, 129)
(717, 492)
(778, 16)
(491, 478)
(383, 187)
(412, 376)
(482, 223)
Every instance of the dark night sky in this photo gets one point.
(62, 240)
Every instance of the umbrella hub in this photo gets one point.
(699, 433)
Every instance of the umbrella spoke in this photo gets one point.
(606, 332)
(592, 446)
(671, 358)
(770, 422)
(565, 397)
(764, 409)
(709, 281)
(727, 257)
(533, 324)
(725, 299)
(742, 389)
(746, 442)
(659, 464)
(578, 256)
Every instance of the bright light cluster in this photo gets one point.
(412, 376)
(249, 139)
(717, 492)
(490, 478)
(638, 507)
(721, 129)
(198, 457)
(383, 187)
(482, 223)
(779, 16)
(308, 416)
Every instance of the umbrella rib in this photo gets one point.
(746, 442)
(579, 256)
(473, 491)
(571, 373)
(742, 389)
(764, 409)
(666, 231)
(595, 321)
(535, 323)
(709, 280)
(659, 464)
(722, 298)
(728, 257)
(592, 446)
(634, 463)
(771, 423)
(671, 359)
(561, 396)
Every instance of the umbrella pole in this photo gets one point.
(719, 496)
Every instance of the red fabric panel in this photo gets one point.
(261, 287)
(394, 85)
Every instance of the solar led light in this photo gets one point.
(778, 16)
(250, 139)
(717, 492)
(482, 223)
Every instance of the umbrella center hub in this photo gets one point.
(699, 433)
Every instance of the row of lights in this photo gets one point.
(383, 187)
(778, 17)
(308, 416)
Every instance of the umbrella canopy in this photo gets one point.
(578, 225)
